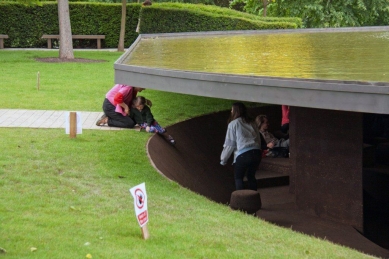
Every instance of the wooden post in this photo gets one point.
(145, 232)
(49, 43)
(73, 125)
(99, 43)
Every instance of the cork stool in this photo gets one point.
(248, 201)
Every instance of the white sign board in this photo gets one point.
(140, 203)
(67, 123)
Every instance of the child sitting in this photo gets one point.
(277, 147)
(142, 116)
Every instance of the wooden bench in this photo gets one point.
(2, 37)
(77, 37)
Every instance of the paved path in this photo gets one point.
(12, 118)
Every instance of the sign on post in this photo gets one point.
(140, 205)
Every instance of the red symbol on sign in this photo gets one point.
(142, 217)
(140, 198)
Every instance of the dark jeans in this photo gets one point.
(285, 128)
(116, 119)
(247, 163)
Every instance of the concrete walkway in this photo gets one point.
(13, 118)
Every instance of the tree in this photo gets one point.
(321, 13)
(257, 7)
(65, 30)
(331, 13)
(122, 26)
(265, 4)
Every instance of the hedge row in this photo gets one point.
(155, 19)
(232, 13)
(25, 25)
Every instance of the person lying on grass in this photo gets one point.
(141, 114)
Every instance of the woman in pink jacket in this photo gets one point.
(116, 106)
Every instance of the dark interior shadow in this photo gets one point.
(194, 163)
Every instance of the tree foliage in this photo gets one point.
(323, 13)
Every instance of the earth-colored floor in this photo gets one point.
(194, 164)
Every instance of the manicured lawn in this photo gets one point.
(70, 197)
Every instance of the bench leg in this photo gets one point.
(98, 43)
(49, 43)
(1, 43)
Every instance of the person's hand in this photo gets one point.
(149, 103)
(222, 163)
(270, 145)
(125, 107)
(148, 129)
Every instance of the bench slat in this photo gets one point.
(46, 36)
(93, 37)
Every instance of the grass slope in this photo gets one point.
(69, 197)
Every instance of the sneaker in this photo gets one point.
(102, 121)
(171, 140)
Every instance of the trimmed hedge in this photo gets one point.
(157, 20)
(25, 25)
(231, 13)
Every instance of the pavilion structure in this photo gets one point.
(330, 78)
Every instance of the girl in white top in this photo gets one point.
(242, 139)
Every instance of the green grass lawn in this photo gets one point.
(70, 197)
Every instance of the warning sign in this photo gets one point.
(140, 203)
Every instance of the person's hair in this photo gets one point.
(139, 100)
(147, 2)
(259, 120)
(239, 110)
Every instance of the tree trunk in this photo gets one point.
(265, 3)
(65, 30)
(122, 26)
